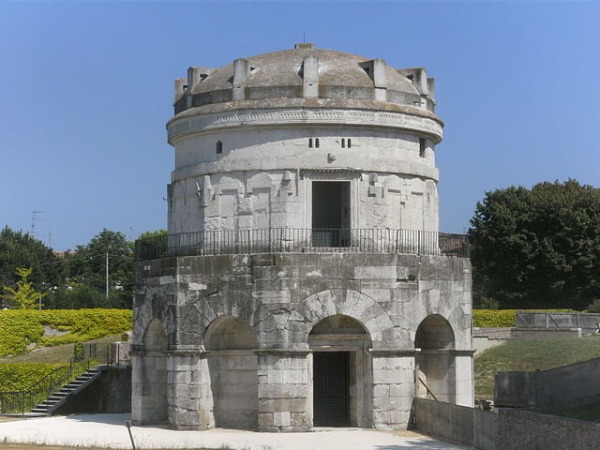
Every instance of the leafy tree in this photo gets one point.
(537, 247)
(24, 296)
(18, 249)
(86, 269)
(151, 244)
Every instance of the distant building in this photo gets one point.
(304, 282)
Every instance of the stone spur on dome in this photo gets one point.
(303, 281)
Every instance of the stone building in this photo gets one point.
(303, 281)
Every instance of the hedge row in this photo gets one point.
(19, 376)
(502, 318)
(22, 328)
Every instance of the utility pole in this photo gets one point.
(106, 275)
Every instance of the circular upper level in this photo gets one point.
(305, 79)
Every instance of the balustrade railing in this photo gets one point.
(299, 240)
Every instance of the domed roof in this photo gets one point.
(284, 68)
(301, 74)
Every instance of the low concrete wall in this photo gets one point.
(461, 424)
(563, 386)
(588, 322)
(109, 393)
(504, 428)
(521, 430)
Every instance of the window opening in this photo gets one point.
(422, 147)
(343, 143)
(219, 147)
(331, 213)
(317, 142)
(310, 143)
(349, 143)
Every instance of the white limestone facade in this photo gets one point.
(248, 159)
(304, 281)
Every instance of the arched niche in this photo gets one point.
(341, 372)
(233, 365)
(436, 377)
(155, 337)
(434, 332)
(153, 400)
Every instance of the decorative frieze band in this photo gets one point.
(211, 122)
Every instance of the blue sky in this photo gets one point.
(86, 89)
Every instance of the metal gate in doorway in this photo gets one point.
(331, 397)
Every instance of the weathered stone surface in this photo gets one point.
(229, 335)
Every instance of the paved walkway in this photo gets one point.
(109, 431)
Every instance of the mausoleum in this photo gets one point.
(303, 281)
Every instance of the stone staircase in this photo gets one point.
(55, 400)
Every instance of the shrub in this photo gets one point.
(503, 318)
(21, 328)
(498, 318)
(20, 376)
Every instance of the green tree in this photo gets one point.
(151, 244)
(23, 296)
(537, 247)
(18, 249)
(87, 271)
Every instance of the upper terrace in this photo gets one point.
(298, 240)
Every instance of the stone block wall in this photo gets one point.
(251, 323)
(504, 428)
(559, 387)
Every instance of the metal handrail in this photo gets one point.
(300, 240)
(85, 357)
(21, 402)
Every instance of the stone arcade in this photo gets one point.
(303, 282)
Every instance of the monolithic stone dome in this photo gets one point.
(306, 76)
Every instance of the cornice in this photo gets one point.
(206, 123)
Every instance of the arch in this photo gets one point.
(356, 305)
(339, 332)
(205, 311)
(230, 333)
(153, 399)
(233, 366)
(434, 332)
(436, 377)
(155, 336)
(341, 372)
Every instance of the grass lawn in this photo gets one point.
(529, 355)
(57, 354)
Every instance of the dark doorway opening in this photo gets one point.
(331, 390)
(331, 213)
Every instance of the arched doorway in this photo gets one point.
(233, 372)
(435, 362)
(341, 370)
(154, 373)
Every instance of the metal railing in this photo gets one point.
(21, 402)
(85, 357)
(300, 240)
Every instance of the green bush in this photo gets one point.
(22, 328)
(494, 318)
(20, 376)
(503, 318)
